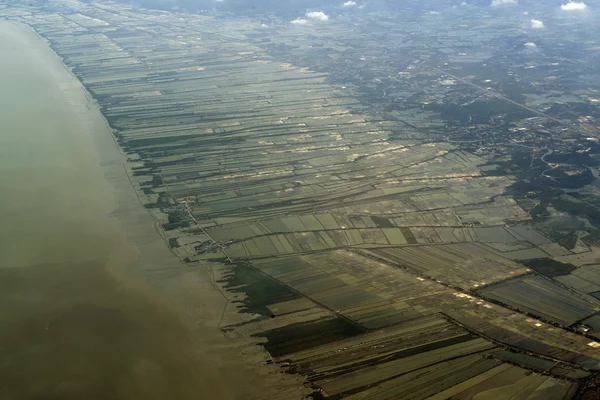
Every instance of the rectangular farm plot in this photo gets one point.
(412, 373)
(323, 279)
(540, 297)
(509, 382)
(394, 236)
(424, 358)
(585, 279)
(465, 264)
(235, 233)
(529, 234)
(494, 234)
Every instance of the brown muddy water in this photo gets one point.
(76, 319)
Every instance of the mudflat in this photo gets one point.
(78, 317)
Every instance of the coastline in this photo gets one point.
(184, 299)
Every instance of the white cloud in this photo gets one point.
(573, 6)
(317, 16)
(537, 24)
(530, 44)
(349, 4)
(496, 3)
(299, 21)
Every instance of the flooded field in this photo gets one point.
(77, 252)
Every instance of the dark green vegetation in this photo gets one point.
(260, 290)
(296, 337)
(548, 267)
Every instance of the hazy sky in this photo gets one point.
(284, 7)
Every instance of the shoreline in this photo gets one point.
(156, 277)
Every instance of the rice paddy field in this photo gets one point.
(369, 258)
(541, 297)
